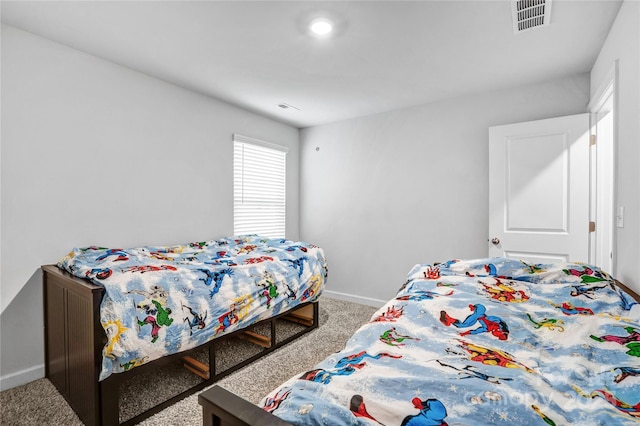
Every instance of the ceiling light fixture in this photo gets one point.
(321, 27)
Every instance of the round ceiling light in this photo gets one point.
(321, 27)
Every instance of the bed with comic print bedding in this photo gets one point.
(111, 314)
(473, 342)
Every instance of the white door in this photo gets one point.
(539, 190)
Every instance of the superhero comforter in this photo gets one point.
(163, 300)
(482, 342)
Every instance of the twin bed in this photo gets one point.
(488, 341)
(114, 316)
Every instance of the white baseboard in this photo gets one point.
(376, 303)
(21, 377)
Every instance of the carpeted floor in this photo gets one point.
(39, 402)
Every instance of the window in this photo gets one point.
(259, 177)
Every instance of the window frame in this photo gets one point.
(275, 210)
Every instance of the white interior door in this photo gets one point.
(539, 190)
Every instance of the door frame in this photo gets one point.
(604, 237)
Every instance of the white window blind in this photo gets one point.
(259, 177)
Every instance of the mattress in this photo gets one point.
(161, 300)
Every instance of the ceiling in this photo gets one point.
(384, 55)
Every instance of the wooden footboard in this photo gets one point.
(223, 408)
(74, 339)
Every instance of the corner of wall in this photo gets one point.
(22, 336)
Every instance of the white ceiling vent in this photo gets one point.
(530, 14)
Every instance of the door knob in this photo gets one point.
(495, 241)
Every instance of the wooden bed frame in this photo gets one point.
(223, 408)
(74, 339)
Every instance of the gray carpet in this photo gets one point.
(39, 402)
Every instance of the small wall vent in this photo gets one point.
(530, 14)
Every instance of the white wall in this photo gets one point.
(94, 153)
(623, 45)
(384, 192)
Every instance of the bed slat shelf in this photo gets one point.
(196, 367)
(303, 316)
(256, 338)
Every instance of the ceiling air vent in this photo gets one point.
(530, 14)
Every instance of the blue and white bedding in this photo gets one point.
(482, 342)
(163, 300)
